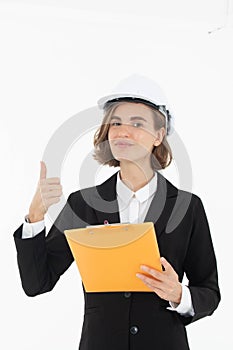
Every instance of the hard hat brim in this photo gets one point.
(103, 100)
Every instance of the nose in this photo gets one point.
(123, 130)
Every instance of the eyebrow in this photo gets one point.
(131, 118)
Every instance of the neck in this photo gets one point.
(134, 176)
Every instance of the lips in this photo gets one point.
(122, 143)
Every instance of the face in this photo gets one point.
(132, 135)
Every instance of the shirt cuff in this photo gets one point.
(185, 307)
(32, 229)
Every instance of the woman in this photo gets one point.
(132, 136)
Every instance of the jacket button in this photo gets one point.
(127, 294)
(134, 330)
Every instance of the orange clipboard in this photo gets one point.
(109, 256)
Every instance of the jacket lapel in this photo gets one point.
(162, 204)
(105, 199)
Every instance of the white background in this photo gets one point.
(57, 58)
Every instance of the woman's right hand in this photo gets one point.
(48, 192)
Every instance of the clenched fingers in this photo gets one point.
(50, 180)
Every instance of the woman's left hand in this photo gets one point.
(165, 284)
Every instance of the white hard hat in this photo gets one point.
(138, 87)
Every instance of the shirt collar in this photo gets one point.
(142, 194)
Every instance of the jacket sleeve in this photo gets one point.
(201, 267)
(43, 259)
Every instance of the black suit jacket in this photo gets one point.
(124, 320)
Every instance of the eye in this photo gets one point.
(115, 123)
(137, 125)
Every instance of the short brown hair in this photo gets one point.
(161, 155)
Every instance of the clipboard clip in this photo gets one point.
(106, 223)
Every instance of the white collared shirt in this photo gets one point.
(133, 206)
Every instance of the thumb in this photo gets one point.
(43, 170)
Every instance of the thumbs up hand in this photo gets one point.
(48, 192)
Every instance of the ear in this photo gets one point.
(159, 136)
